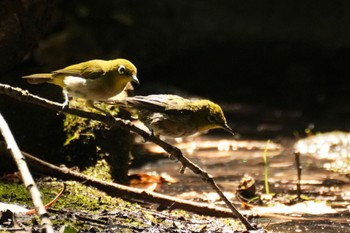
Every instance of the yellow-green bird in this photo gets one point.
(94, 80)
(174, 116)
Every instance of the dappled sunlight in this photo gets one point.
(333, 146)
(306, 207)
(204, 146)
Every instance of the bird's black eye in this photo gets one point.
(121, 69)
(211, 119)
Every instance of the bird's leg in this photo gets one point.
(66, 99)
(65, 103)
(151, 135)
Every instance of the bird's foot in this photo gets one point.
(64, 106)
(150, 136)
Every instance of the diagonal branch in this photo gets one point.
(126, 192)
(174, 152)
(26, 176)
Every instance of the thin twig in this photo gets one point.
(25, 96)
(26, 176)
(299, 168)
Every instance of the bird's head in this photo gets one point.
(211, 116)
(126, 70)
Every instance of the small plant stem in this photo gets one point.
(267, 189)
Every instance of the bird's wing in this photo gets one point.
(89, 70)
(160, 103)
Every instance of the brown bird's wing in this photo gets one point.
(89, 70)
(160, 103)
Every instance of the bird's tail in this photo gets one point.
(126, 106)
(38, 78)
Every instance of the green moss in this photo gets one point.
(88, 209)
(89, 142)
(80, 197)
(14, 193)
(101, 170)
(76, 196)
(78, 128)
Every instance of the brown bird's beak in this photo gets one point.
(228, 129)
(135, 79)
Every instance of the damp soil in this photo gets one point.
(228, 160)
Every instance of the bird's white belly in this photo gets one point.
(87, 89)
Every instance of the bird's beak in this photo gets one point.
(228, 129)
(135, 79)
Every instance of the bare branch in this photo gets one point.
(118, 190)
(26, 176)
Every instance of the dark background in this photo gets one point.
(277, 67)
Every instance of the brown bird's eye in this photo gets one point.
(121, 69)
(211, 119)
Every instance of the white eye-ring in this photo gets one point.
(121, 69)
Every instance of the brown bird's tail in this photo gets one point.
(38, 78)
